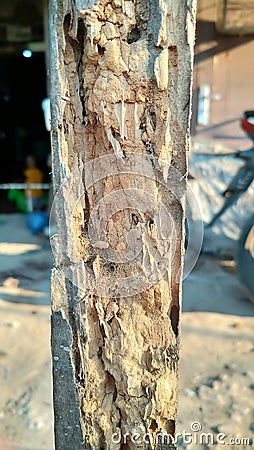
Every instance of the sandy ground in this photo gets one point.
(25, 367)
(216, 369)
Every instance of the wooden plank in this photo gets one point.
(121, 75)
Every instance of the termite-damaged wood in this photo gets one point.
(68, 432)
(120, 88)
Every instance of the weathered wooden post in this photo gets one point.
(121, 74)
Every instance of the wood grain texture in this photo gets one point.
(121, 76)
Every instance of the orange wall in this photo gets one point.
(226, 63)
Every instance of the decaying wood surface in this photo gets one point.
(120, 96)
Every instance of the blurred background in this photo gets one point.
(23, 87)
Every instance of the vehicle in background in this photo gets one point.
(244, 255)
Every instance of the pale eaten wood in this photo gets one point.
(121, 74)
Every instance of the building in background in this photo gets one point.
(223, 79)
(224, 70)
(23, 86)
